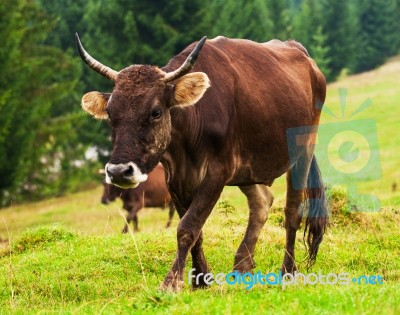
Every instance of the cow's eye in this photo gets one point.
(156, 113)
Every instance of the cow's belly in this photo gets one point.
(262, 154)
(259, 169)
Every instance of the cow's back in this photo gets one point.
(273, 75)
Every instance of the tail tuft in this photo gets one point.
(317, 215)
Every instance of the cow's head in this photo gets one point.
(138, 110)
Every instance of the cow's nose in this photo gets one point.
(105, 201)
(119, 172)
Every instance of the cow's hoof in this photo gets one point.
(288, 268)
(200, 286)
(244, 265)
(199, 282)
(172, 283)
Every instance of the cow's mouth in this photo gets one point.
(126, 185)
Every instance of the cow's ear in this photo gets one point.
(189, 89)
(95, 104)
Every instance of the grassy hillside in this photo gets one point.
(382, 88)
(67, 255)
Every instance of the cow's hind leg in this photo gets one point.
(292, 223)
(259, 199)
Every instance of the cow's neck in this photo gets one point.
(185, 158)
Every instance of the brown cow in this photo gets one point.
(151, 193)
(236, 135)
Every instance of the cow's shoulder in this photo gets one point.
(295, 44)
(277, 45)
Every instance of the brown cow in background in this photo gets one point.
(152, 193)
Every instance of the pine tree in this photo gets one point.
(319, 51)
(240, 19)
(33, 78)
(397, 27)
(339, 24)
(279, 15)
(306, 20)
(377, 36)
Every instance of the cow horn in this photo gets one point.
(93, 63)
(188, 64)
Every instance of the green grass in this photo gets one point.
(67, 256)
(58, 269)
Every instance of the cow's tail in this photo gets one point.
(317, 215)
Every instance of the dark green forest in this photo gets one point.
(50, 147)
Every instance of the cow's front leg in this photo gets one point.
(189, 234)
(199, 264)
(131, 217)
